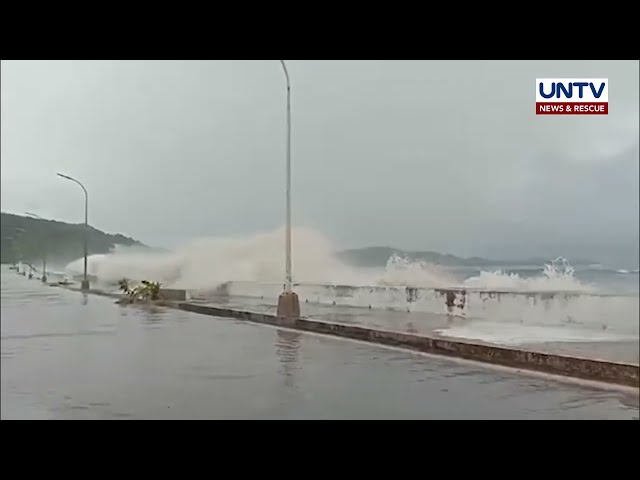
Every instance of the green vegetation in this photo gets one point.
(145, 292)
(23, 238)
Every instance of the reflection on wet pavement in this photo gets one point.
(288, 350)
(65, 355)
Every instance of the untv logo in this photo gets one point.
(572, 96)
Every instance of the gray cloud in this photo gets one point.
(443, 155)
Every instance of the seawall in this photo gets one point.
(611, 313)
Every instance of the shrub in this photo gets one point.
(145, 292)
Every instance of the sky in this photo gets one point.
(424, 155)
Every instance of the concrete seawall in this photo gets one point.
(173, 294)
(627, 374)
(611, 313)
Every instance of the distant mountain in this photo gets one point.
(378, 256)
(23, 239)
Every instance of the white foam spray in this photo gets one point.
(557, 275)
(205, 263)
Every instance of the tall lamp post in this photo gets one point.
(288, 303)
(43, 247)
(85, 280)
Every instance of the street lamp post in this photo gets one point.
(85, 280)
(288, 303)
(43, 247)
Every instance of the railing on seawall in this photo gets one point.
(578, 308)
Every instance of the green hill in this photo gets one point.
(24, 237)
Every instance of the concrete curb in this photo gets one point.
(627, 374)
(169, 297)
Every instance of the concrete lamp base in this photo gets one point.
(84, 285)
(288, 305)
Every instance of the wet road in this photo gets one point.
(65, 355)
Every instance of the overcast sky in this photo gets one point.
(439, 155)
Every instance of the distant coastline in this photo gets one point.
(378, 256)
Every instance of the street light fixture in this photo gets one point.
(43, 247)
(288, 303)
(85, 280)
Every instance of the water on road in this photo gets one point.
(70, 356)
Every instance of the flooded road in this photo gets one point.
(70, 356)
